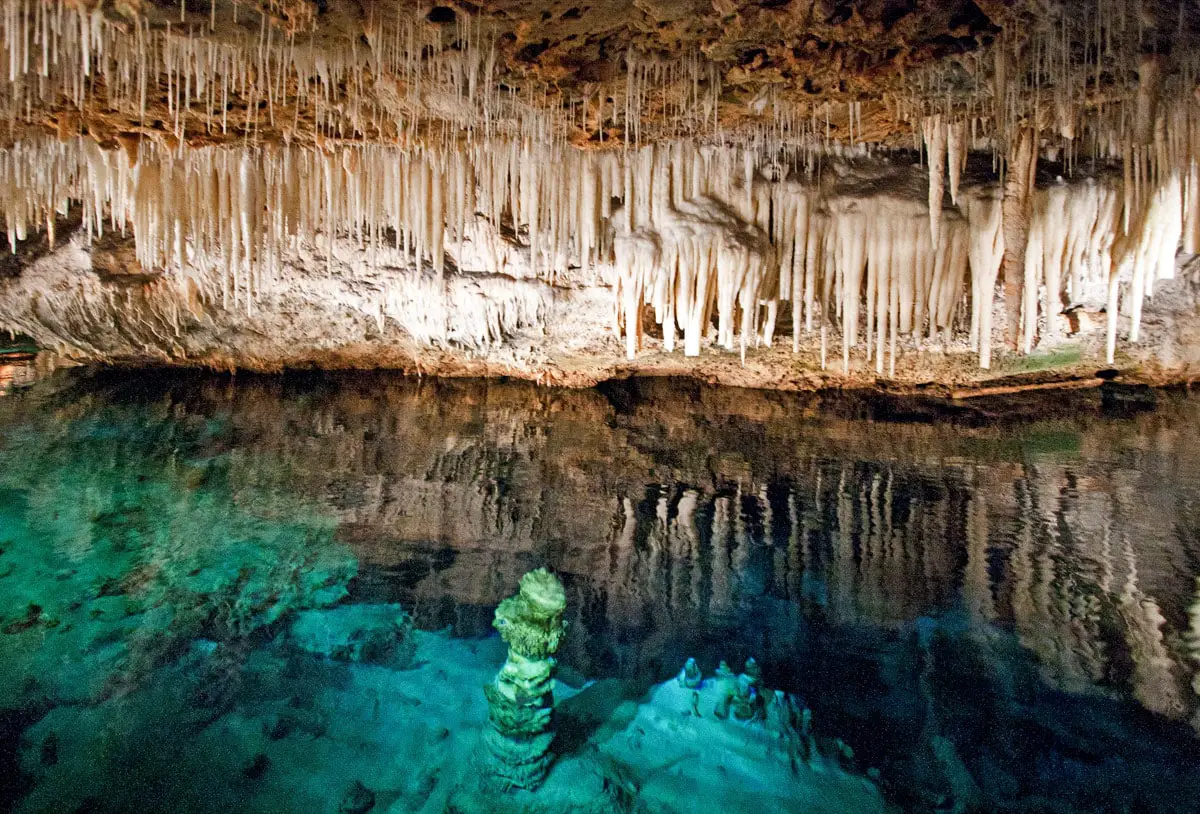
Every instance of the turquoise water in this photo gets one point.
(275, 594)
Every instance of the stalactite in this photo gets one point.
(1192, 640)
(986, 224)
(934, 132)
(956, 155)
(1018, 197)
(1147, 251)
(711, 238)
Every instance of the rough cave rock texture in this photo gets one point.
(779, 194)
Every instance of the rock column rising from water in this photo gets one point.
(520, 700)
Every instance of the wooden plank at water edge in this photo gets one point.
(1071, 384)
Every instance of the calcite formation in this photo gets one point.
(521, 699)
(884, 183)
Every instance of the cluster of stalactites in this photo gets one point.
(704, 235)
(237, 209)
(403, 73)
(696, 233)
(1088, 75)
(221, 222)
(690, 243)
(57, 52)
(1088, 236)
(737, 253)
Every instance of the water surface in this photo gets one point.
(994, 604)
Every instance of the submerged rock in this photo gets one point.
(358, 799)
(257, 767)
(371, 634)
(690, 676)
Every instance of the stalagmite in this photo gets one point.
(520, 699)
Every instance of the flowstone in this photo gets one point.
(520, 699)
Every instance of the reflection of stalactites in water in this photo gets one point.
(888, 558)
(871, 524)
(881, 557)
(977, 583)
(621, 565)
(1193, 645)
(1072, 582)
(791, 562)
(1155, 682)
(774, 559)
(1075, 607)
(722, 579)
(841, 576)
(1106, 573)
(685, 550)
(1024, 605)
(1054, 616)
(658, 560)
(873, 555)
(740, 556)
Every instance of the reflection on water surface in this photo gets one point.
(996, 605)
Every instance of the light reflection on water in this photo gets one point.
(1015, 579)
(16, 375)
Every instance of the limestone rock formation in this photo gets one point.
(521, 699)
(574, 193)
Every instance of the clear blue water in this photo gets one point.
(993, 605)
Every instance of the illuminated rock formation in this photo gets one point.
(521, 699)
(451, 191)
